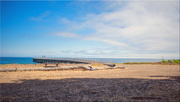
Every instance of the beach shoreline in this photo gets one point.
(97, 65)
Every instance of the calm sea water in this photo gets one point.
(18, 60)
(29, 60)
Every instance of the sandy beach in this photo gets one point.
(141, 82)
(24, 66)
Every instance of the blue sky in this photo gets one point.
(110, 29)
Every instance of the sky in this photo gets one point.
(93, 29)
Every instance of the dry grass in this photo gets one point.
(161, 63)
(98, 65)
(9, 66)
(142, 63)
(143, 82)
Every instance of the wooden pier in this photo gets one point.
(57, 61)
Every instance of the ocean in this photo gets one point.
(29, 60)
(17, 60)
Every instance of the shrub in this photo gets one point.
(170, 61)
(176, 61)
(164, 61)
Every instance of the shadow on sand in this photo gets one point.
(170, 77)
(93, 89)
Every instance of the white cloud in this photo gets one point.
(40, 17)
(148, 26)
(67, 34)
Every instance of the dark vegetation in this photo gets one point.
(171, 61)
(162, 62)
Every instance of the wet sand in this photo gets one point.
(136, 82)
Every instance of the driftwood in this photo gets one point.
(60, 68)
(110, 65)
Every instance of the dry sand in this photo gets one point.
(24, 66)
(134, 83)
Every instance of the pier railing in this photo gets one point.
(69, 60)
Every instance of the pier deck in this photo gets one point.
(63, 60)
(57, 61)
